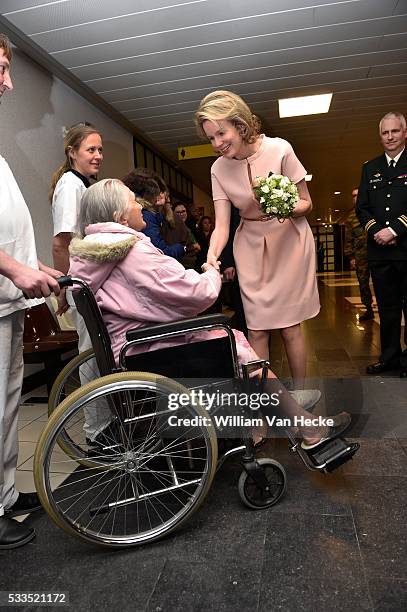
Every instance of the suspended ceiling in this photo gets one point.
(153, 61)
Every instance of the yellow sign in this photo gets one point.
(196, 151)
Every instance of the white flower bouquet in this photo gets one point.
(277, 195)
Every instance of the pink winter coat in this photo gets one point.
(136, 285)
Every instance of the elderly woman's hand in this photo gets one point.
(63, 305)
(207, 266)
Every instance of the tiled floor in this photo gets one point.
(334, 542)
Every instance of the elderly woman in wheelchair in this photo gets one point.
(145, 476)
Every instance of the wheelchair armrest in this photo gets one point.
(176, 326)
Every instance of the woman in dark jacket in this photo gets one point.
(144, 184)
(174, 230)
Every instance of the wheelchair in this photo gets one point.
(146, 477)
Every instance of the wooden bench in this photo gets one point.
(45, 342)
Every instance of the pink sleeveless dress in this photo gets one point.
(275, 261)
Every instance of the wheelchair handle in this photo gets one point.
(65, 281)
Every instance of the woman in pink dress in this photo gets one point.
(275, 261)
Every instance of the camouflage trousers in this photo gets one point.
(363, 274)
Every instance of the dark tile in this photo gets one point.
(312, 370)
(394, 412)
(403, 443)
(36, 566)
(120, 580)
(338, 354)
(312, 563)
(186, 586)
(59, 562)
(377, 493)
(338, 369)
(224, 528)
(360, 342)
(350, 393)
(307, 491)
(378, 457)
(379, 508)
(388, 595)
(321, 338)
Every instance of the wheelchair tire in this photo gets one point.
(253, 496)
(155, 478)
(66, 383)
(68, 379)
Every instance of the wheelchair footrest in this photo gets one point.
(333, 454)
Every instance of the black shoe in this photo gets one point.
(341, 423)
(403, 373)
(380, 366)
(25, 504)
(367, 316)
(14, 534)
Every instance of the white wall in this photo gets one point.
(31, 120)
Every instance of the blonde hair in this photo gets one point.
(226, 105)
(104, 202)
(72, 140)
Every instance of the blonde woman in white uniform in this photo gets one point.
(83, 158)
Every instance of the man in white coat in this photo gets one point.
(21, 274)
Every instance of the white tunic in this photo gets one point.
(16, 239)
(66, 203)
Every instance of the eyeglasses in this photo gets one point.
(180, 212)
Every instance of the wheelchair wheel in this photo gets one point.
(149, 479)
(68, 380)
(253, 496)
(81, 370)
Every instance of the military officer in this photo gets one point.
(356, 249)
(382, 210)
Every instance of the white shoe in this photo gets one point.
(306, 398)
(341, 423)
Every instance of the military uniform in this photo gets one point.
(356, 248)
(381, 203)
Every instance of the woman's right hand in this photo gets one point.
(207, 266)
(213, 261)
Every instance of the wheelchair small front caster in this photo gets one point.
(256, 497)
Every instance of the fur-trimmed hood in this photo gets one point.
(103, 247)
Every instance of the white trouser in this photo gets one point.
(11, 380)
(99, 416)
